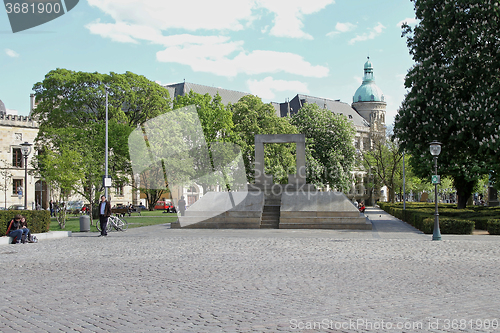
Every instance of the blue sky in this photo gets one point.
(271, 48)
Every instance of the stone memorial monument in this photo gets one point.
(295, 205)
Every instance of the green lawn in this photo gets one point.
(134, 221)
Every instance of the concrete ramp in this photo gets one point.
(320, 210)
(224, 210)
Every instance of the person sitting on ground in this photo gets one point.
(26, 236)
(14, 229)
(362, 207)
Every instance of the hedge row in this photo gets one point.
(494, 227)
(422, 218)
(38, 220)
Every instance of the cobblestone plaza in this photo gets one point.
(392, 278)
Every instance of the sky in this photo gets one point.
(274, 49)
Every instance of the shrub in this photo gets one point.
(493, 227)
(38, 220)
(449, 226)
(481, 222)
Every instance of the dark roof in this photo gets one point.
(3, 110)
(227, 96)
(335, 106)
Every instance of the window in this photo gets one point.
(17, 184)
(366, 144)
(119, 190)
(356, 143)
(17, 158)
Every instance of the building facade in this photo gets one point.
(15, 130)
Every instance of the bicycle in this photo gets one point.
(118, 223)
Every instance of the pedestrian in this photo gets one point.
(182, 205)
(362, 207)
(26, 236)
(104, 214)
(51, 206)
(14, 229)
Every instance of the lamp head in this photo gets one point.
(25, 148)
(435, 148)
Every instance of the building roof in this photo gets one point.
(3, 110)
(227, 96)
(335, 106)
(368, 91)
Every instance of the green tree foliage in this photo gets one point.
(330, 151)
(71, 108)
(69, 98)
(250, 117)
(217, 123)
(62, 170)
(5, 177)
(454, 90)
(385, 162)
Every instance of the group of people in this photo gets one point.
(360, 206)
(17, 228)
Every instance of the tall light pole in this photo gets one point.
(25, 150)
(404, 190)
(106, 149)
(435, 148)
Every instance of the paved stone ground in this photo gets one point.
(151, 279)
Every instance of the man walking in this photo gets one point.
(104, 213)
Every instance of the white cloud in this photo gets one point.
(11, 53)
(358, 79)
(163, 14)
(214, 58)
(265, 88)
(289, 15)
(377, 30)
(341, 27)
(409, 21)
(213, 15)
(214, 53)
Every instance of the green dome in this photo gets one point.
(368, 91)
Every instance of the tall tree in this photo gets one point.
(384, 160)
(250, 117)
(454, 90)
(62, 170)
(5, 177)
(330, 153)
(217, 123)
(71, 108)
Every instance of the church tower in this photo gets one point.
(370, 103)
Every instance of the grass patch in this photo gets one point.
(134, 221)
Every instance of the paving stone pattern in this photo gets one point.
(155, 279)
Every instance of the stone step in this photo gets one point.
(272, 208)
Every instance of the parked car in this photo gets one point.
(16, 207)
(140, 207)
(166, 205)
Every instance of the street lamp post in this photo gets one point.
(435, 148)
(106, 150)
(404, 181)
(25, 150)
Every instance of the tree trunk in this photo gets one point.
(464, 190)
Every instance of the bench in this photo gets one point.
(121, 211)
